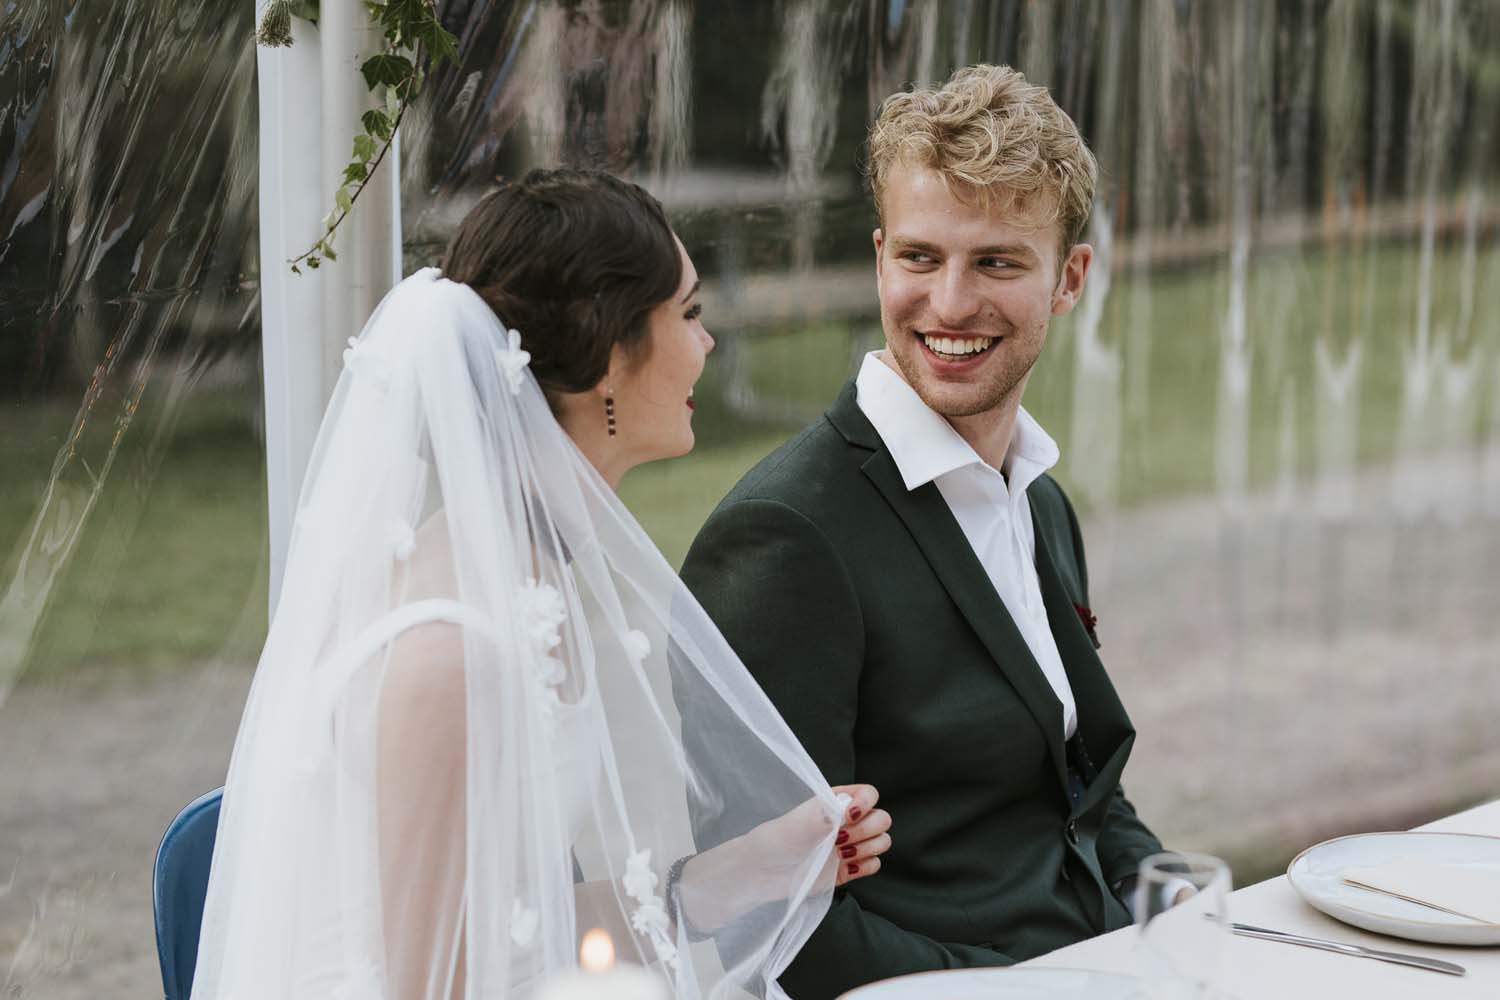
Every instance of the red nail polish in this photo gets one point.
(843, 836)
(854, 868)
(847, 852)
(854, 815)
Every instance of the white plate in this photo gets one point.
(1318, 876)
(1003, 984)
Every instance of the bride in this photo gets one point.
(464, 747)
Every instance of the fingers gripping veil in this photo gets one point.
(463, 747)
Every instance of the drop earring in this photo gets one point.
(609, 411)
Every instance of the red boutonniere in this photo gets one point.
(1089, 623)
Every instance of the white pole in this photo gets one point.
(311, 97)
(363, 273)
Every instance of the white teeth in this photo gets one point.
(949, 345)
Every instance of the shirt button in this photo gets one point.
(1071, 830)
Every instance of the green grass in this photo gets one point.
(672, 499)
(170, 567)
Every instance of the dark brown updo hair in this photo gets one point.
(573, 259)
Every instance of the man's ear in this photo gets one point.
(879, 237)
(1075, 270)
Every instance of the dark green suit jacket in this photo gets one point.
(864, 613)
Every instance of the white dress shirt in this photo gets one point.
(993, 513)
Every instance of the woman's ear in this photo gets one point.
(619, 364)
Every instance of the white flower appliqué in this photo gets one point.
(637, 646)
(650, 916)
(543, 612)
(523, 924)
(361, 359)
(402, 538)
(512, 360)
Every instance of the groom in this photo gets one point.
(908, 584)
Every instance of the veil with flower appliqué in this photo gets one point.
(463, 747)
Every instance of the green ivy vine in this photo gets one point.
(415, 44)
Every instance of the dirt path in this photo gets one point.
(1289, 681)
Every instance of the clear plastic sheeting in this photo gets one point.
(133, 501)
(1277, 404)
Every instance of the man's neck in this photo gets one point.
(990, 433)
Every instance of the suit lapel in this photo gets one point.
(938, 535)
(941, 540)
(1102, 721)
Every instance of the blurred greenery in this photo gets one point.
(1167, 445)
(171, 566)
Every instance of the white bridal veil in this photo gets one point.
(488, 715)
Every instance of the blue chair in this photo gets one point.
(179, 886)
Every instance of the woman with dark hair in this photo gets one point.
(463, 755)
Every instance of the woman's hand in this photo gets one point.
(864, 835)
(757, 867)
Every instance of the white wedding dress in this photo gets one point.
(471, 691)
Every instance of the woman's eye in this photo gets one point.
(694, 312)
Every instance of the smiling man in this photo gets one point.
(908, 584)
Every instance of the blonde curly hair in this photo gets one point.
(992, 135)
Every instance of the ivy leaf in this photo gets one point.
(377, 123)
(416, 43)
(386, 69)
(441, 44)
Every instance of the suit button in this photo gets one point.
(1071, 830)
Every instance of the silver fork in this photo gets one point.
(1357, 950)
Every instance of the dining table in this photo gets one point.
(1274, 970)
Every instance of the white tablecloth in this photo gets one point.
(1268, 970)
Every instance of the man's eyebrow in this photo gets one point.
(694, 290)
(1006, 250)
(907, 243)
(997, 250)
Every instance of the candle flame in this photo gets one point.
(597, 952)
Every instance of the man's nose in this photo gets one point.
(954, 298)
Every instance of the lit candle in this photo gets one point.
(597, 952)
(599, 978)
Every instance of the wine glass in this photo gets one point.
(1182, 912)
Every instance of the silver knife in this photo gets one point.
(1360, 951)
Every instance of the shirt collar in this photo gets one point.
(925, 446)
